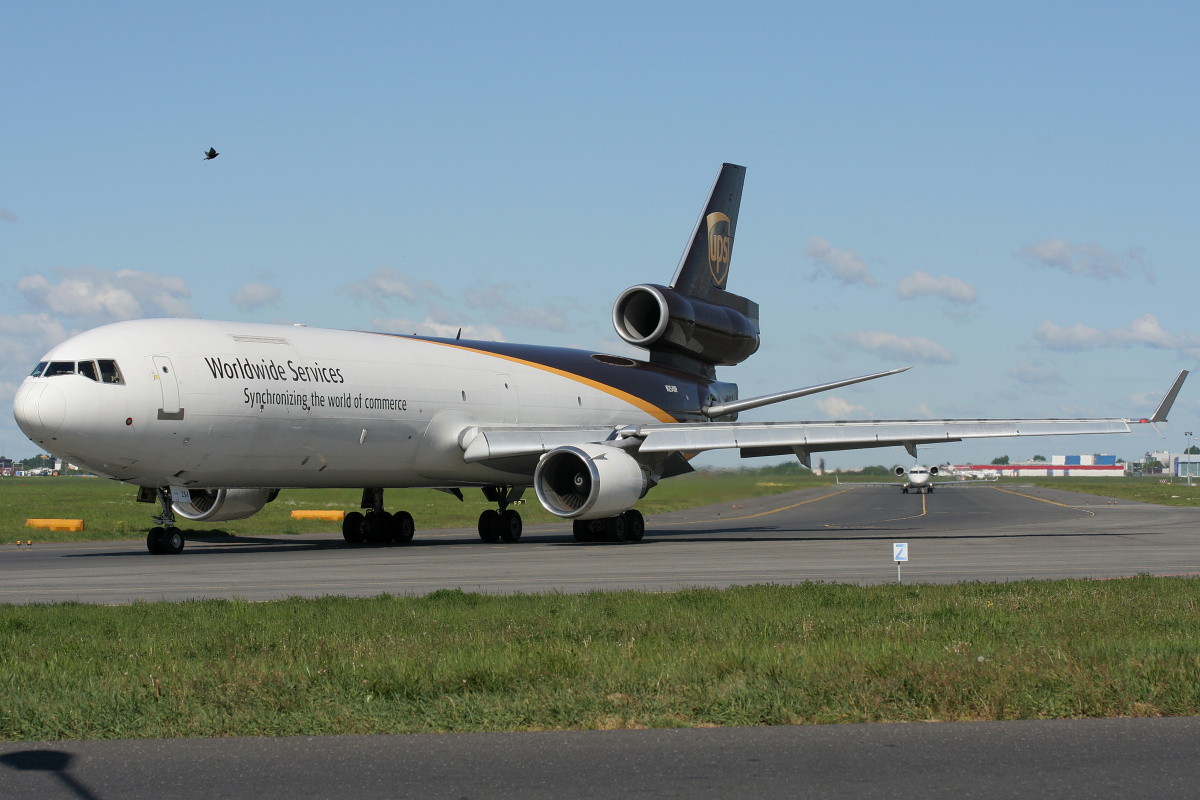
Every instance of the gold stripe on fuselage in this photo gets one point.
(651, 409)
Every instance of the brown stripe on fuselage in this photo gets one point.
(640, 384)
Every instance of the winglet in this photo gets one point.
(1164, 407)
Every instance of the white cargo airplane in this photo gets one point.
(919, 478)
(212, 419)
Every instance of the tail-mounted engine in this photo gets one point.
(665, 321)
(220, 505)
(589, 481)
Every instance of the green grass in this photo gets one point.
(760, 655)
(1141, 489)
(109, 509)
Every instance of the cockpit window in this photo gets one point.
(38, 370)
(109, 372)
(88, 370)
(59, 368)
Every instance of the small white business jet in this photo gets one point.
(212, 419)
(920, 478)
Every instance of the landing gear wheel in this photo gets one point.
(489, 525)
(154, 541)
(377, 527)
(510, 526)
(352, 527)
(929, 490)
(402, 527)
(635, 525)
(615, 529)
(582, 530)
(171, 541)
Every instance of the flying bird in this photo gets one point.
(211, 154)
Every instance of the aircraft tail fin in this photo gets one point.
(704, 269)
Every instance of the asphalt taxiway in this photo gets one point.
(839, 533)
(1127, 758)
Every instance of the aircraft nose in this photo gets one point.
(39, 410)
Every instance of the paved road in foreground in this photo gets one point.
(834, 534)
(1127, 758)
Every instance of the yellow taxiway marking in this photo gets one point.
(1044, 500)
(871, 525)
(762, 513)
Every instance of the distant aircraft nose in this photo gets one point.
(39, 410)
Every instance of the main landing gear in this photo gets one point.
(627, 527)
(377, 526)
(164, 538)
(503, 523)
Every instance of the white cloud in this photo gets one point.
(889, 345)
(1145, 331)
(26, 337)
(489, 295)
(1036, 374)
(254, 295)
(846, 266)
(494, 297)
(385, 284)
(95, 296)
(431, 327)
(921, 284)
(838, 408)
(1090, 260)
(923, 411)
(549, 317)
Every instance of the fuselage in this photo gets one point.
(918, 477)
(226, 404)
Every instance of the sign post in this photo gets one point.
(899, 553)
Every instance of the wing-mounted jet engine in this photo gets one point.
(222, 505)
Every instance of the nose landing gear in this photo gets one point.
(164, 538)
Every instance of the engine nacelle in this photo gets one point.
(220, 505)
(589, 481)
(933, 470)
(660, 319)
(900, 472)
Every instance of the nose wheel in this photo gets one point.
(165, 538)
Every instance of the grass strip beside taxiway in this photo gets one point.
(111, 512)
(450, 661)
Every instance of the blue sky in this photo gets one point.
(1004, 197)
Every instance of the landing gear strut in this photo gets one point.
(377, 526)
(627, 527)
(164, 538)
(505, 523)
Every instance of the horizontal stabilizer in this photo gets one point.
(720, 410)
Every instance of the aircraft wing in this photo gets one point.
(769, 438)
(657, 440)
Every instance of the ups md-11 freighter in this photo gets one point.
(212, 419)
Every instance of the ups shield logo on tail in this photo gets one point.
(720, 243)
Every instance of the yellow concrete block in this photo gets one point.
(315, 514)
(55, 524)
